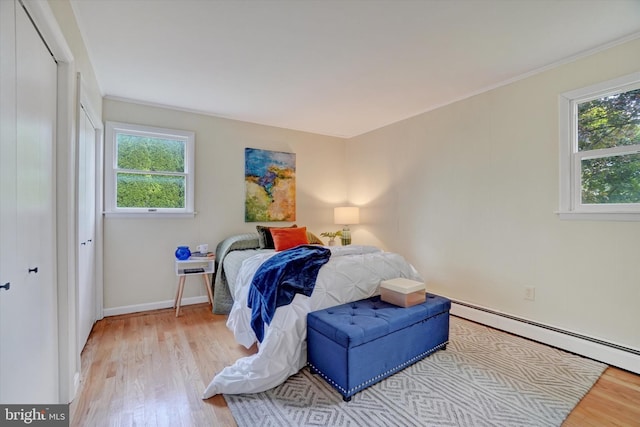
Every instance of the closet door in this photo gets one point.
(86, 227)
(28, 310)
(8, 195)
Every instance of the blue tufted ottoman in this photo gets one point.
(355, 345)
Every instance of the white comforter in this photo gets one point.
(352, 273)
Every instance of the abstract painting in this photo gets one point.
(270, 185)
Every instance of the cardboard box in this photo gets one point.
(402, 292)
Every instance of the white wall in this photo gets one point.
(139, 253)
(468, 193)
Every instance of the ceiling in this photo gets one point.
(340, 68)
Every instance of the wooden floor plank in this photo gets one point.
(151, 369)
(613, 401)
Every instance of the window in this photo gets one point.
(148, 170)
(600, 151)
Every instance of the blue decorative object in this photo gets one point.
(183, 253)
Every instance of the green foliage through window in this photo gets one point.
(607, 123)
(150, 191)
(149, 171)
(611, 179)
(150, 154)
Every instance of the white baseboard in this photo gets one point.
(114, 311)
(565, 340)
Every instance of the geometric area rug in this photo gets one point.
(485, 377)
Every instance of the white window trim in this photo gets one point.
(570, 158)
(111, 129)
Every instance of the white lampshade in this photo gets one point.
(347, 215)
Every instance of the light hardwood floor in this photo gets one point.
(151, 369)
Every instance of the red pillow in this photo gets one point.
(287, 238)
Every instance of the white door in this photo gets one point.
(28, 310)
(86, 228)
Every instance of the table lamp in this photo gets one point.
(347, 215)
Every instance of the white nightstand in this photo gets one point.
(200, 267)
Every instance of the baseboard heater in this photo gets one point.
(613, 354)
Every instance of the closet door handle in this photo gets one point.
(33, 270)
(83, 243)
(6, 286)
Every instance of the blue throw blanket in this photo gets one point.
(280, 278)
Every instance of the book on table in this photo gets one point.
(203, 256)
(193, 270)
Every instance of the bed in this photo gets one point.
(230, 253)
(351, 273)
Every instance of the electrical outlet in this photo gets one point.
(530, 293)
